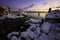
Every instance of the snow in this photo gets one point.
(12, 33)
(56, 26)
(14, 38)
(51, 35)
(43, 37)
(53, 14)
(13, 16)
(46, 27)
(37, 31)
(34, 32)
(34, 20)
(28, 35)
(58, 36)
(45, 31)
(10, 16)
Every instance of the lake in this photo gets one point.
(42, 15)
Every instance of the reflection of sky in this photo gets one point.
(38, 4)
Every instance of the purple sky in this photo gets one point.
(38, 4)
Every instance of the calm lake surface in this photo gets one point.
(42, 15)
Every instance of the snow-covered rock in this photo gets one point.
(35, 20)
(43, 37)
(58, 36)
(27, 34)
(53, 14)
(51, 35)
(56, 26)
(45, 27)
(32, 20)
(37, 31)
(12, 33)
(32, 27)
(19, 38)
(14, 38)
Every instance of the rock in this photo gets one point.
(32, 27)
(19, 38)
(53, 14)
(27, 34)
(43, 37)
(14, 38)
(58, 36)
(37, 31)
(56, 26)
(12, 33)
(46, 27)
(51, 35)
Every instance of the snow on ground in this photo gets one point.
(37, 31)
(10, 16)
(46, 27)
(12, 33)
(43, 37)
(34, 32)
(13, 38)
(53, 14)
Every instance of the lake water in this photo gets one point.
(42, 15)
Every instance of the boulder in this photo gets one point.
(43, 37)
(46, 27)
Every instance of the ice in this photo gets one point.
(46, 27)
(43, 37)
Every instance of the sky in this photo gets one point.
(38, 5)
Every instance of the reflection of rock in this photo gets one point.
(46, 27)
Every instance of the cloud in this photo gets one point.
(57, 7)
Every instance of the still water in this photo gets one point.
(42, 15)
